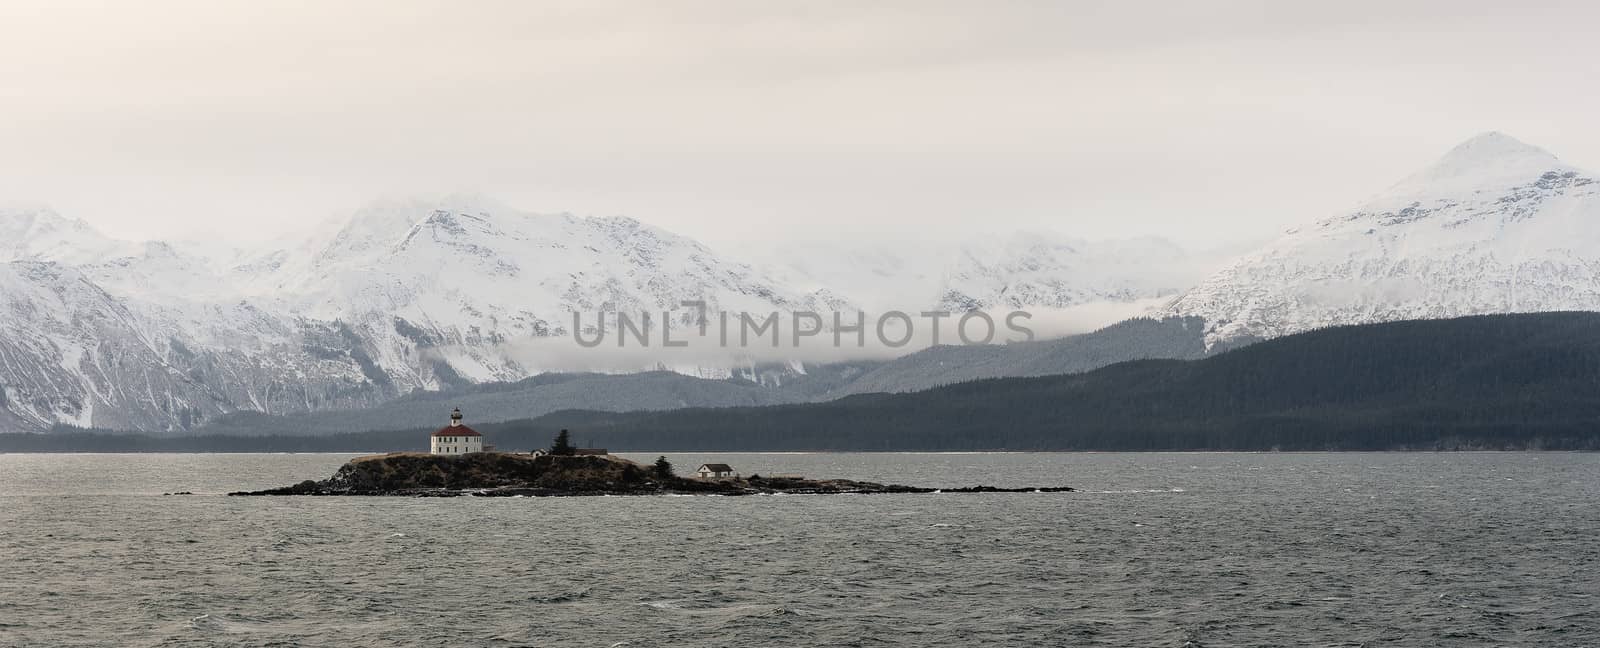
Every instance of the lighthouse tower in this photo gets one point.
(455, 438)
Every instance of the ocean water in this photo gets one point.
(1472, 549)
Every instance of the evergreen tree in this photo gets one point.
(563, 444)
(663, 468)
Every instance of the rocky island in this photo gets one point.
(501, 474)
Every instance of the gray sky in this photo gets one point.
(1207, 122)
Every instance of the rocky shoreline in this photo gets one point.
(492, 474)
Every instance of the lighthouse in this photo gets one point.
(455, 438)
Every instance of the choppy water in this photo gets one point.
(1161, 550)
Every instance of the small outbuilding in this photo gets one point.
(712, 470)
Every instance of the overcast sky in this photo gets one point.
(1207, 122)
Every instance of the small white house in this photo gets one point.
(708, 471)
(455, 439)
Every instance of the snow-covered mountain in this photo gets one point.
(74, 353)
(876, 277)
(405, 295)
(439, 291)
(1028, 269)
(1496, 226)
(1043, 269)
(422, 295)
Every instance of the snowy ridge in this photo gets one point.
(1017, 270)
(74, 354)
(405, 295)
(1042, 269)
(1496, 226)
(455, 285)
(40, 234)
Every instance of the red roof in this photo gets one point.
(456, 430)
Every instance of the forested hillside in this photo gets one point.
(1500, 381)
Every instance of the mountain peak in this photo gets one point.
(1494, 148)
(1492, 161)
(25, 217)
(38, 232)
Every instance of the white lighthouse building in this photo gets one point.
(455, 438)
